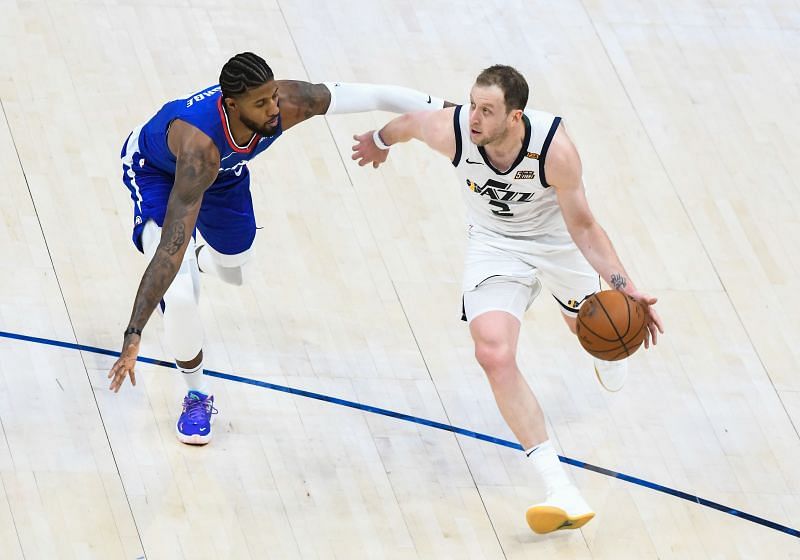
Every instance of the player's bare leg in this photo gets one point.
(495, 334)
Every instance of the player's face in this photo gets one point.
(488, 119)
(258, 108)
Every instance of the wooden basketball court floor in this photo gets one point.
(686, 115)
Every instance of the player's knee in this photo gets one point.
(496, 357)
(184, 345)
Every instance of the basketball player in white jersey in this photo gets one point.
(529, 224)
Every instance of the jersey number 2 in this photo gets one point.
(502, 209)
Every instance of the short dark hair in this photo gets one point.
(242, 72)
(510, 82)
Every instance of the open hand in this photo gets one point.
(123, 367)
(654, 324)
(365, 151)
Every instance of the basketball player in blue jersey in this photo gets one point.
(186, 168)
(529, 225)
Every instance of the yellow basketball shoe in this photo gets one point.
(564, 509)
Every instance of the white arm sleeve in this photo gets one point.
(358, 98)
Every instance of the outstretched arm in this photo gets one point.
(196, 168)
(435, 129)
(564, 173)
(302, 100)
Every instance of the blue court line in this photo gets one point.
(431, 423)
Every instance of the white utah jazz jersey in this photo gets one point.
(516, 202)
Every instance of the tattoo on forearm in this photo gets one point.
(196, 170)
(618, 281)
(154, 284)
(173, 238)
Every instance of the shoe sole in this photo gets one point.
(546, 519)
(196, 439)
(600, 379)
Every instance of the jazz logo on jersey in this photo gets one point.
(524, 174)
(532, 155)
(499, 196)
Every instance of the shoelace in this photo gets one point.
(195, 409)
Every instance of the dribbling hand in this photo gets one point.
(365, 151)
(654, 324)
(123, 367)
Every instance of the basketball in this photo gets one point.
(611, 325)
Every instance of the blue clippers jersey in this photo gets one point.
(204, 111)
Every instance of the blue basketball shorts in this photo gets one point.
(226, 217)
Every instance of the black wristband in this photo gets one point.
(132, 330)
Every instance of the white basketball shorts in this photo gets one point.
(507, 273)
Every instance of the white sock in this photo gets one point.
(545, 461)
(195, 380)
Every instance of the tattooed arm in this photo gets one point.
(302, 100)
(197, 164)
(563, 171)
(299, 101)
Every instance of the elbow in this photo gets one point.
(583, 231)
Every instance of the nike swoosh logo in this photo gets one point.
(474, 162)
(429, 99)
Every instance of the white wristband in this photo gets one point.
(376, 137)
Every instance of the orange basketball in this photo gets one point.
(611, 325)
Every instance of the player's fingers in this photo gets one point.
(115, 370)
(119, 377)
(120, 381)
(657, 320)
(653, 332)
(133, 378)
(375, 164)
